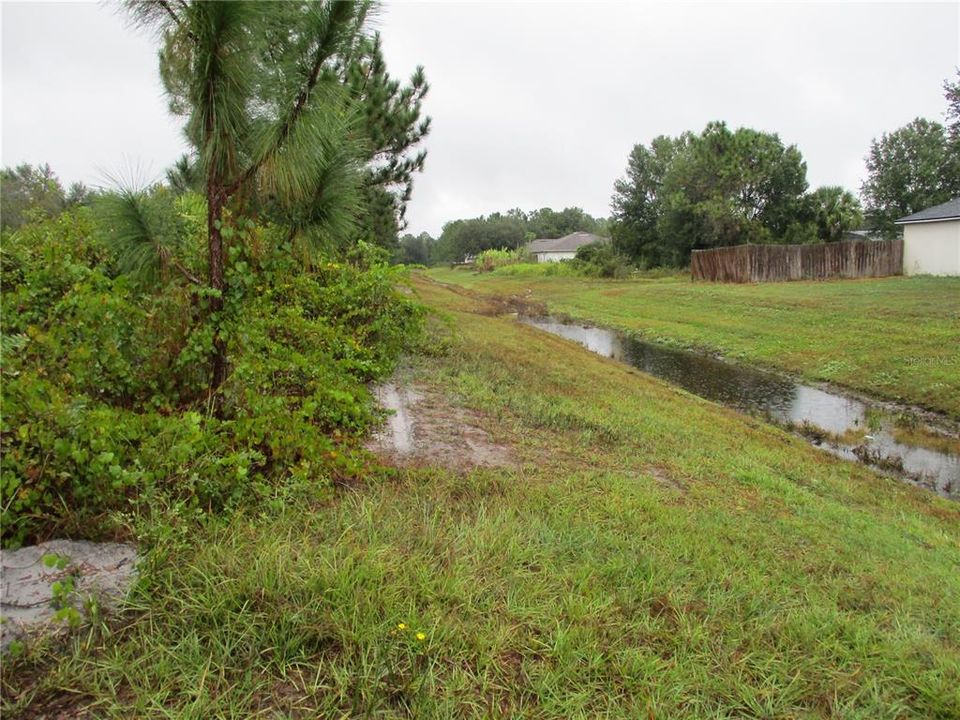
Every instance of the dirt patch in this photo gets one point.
(102, 570)
(425, 428)
(496, 305)
(664, 478)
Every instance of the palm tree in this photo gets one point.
(835, 211)
(266, 112)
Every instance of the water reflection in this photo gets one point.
(756, 391)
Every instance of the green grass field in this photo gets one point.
(892, 338)
(651, 556)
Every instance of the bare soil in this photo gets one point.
(425, 428)
(102, 570)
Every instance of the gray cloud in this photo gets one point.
(533, 104)
(81, 91)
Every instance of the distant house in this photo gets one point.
(565, 248)
(860, 235)
(931, 240)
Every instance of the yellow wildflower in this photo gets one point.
(401, 626)
(421, 637)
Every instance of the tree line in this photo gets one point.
(496, 231)
(728, 187)
(725, 186)
(721, 187)
(33, 192)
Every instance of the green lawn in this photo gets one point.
(893, 338)
(651, 556)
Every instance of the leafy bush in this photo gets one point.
(41, 261)
(105, 401)
(601, 259)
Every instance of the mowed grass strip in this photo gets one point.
(652, 555)
(893, 338)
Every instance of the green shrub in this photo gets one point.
(105, 401)
(600, 259)
(41, 261)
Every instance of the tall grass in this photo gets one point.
(490, 260)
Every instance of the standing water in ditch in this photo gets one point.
(847, 427)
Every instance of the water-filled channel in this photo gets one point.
(870, 430)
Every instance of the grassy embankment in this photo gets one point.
(892, 338)
(652, 555)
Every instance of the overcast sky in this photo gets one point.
(533, 104)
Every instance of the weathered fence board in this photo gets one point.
(776, 263)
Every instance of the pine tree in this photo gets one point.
(393, 125)
(265, 109)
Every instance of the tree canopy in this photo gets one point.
(721, 187)
(834, 212)
(639, 201)
(497, 231)
(29, 191)
(415, 249)
(913, 167)
(951, 92)
(549, 223)
(394, 127)
(383, 127)
(908, 170)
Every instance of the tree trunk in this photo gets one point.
(216, 199)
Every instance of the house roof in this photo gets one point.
(860, 235)
(949, 210)
(568, 243)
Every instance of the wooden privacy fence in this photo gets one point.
(775, 263)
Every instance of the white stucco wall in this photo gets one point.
(931, 248)
(555, 256)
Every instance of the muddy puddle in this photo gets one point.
(848, 427)
(423, 428)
